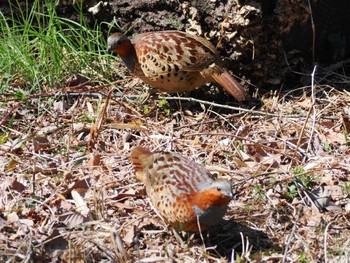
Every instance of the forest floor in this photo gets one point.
(68, 190)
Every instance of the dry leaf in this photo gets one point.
(74, 220)
(40, 143)
(12, 217)
(80, 204)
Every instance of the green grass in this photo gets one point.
(41, 49)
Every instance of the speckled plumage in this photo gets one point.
(174, 61)
(180, 189)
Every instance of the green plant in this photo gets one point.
(326, 146)
(346, 188)
(164, 105)
(259, 193)
(297, 170)
(304, 178)
(292, 191)
(303, 258)
(43, 49)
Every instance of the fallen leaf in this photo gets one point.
(80, 204)
(40, 143)
(12, 217)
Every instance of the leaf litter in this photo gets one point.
(68, 191)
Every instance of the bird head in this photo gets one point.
(120, 44)
(224, 187)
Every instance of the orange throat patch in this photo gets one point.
(208, 198)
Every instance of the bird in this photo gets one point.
(183, 193)
(174, 61)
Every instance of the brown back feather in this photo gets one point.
(140, 159)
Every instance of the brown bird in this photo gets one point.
(181, 191)
(174, 61)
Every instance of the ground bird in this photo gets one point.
(181, 191)
(174, 61)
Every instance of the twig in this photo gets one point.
(290, 239)
(333, 67)
(96, 127)
(307, 195)
(231, 107)
(308, 113)
(325, 242)
(242, 138)
(313, 32)
(313, 100)
(200, 232)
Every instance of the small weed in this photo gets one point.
(326, 147)
(88, 119)
(259, 193)
(346, 188)
(304, 178)
(303, 258)
(146, 109)
(292, 191)
(346, 136)
(164, 106)
(272, 180)
(298, 170)
(174, 23)
(4, 137)
(247, 208)
(215, 175)
(308, 181)
(237, 144)
(20, 95)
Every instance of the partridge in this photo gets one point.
(181, 191)
(174, 61)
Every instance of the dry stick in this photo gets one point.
(308, 113)
(96, 127)
(231, 107)
(99, 246)
(325, 241)
(200, 232)
(334, 67)
(308, 195)
(222, 117)
(313, 107)
(242, 138)
(313, 32)
(290, 239)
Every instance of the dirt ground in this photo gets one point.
(69, 192)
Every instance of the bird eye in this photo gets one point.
(218, 188)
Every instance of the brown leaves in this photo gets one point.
(65, 178)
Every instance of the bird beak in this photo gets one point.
(230, 195)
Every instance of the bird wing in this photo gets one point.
(162, 52)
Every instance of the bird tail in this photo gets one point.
(139, 159)
(230, 85)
